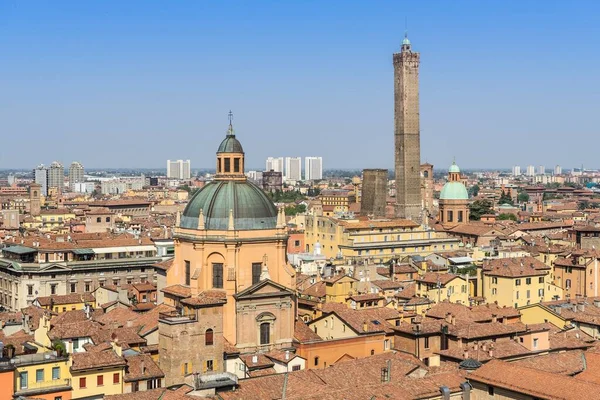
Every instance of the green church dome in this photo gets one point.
(230, 145)
(252, 209)
(454, 191)
(454, 168)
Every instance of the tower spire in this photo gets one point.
(230, 129)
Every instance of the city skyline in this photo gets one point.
(141, 101)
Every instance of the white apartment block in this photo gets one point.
(274, 164)
(179, 169)
(530, 170)
(313, 168)
(293, 168)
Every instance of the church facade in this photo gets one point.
(231, 243)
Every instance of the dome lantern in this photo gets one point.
(230, 156)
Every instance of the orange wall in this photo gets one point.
(329, 351)
(291, 245)
(7, 384)
(64, 395)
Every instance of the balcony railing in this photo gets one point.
(42, 386)
(175, 317)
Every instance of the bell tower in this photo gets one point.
(407, 133)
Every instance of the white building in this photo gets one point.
(56, 176)
(40, 176)
(83, 187)
(313, 168)
(516, 170)
(274, 164)
(530, 170)
(558, 170)
(293, 168)
(255, 176)
(541, 170)
(76, 174)
(119, 186)
(179, 169)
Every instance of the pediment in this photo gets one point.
(54, 267)
(265, 288)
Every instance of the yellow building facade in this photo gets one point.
(42, 375)
(443, 287)
(377, 240)
(517, 282)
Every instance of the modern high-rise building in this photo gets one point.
(40, 176)
(541, 170)
(530, 170)
(76, 174)
(558, 170)
(56, 176)
(179, 169)
(313, 168)
(274, 164)
(407, 140)
(293, 168)
(516, 170)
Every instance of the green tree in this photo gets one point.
(523, 197)
(507, 216)
(474, 190)
(479, 208)
(505, 199)
(583, 204)
(295, 209)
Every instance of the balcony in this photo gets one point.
(175, 317)
(48, 386)
(215, 380)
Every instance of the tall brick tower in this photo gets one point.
(407, 133)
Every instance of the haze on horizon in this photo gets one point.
(132, 84)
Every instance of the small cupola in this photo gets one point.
(230, 156)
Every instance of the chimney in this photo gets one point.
(475, 346)
(597, 303)
(491, 353)
(465, 387)
(143, 367)
(254, 359)
(581, 307)
(365, 326)
(466, 354)
(494, 318)
(453, 320)
(287, 355)
(445, 392)
(449, 318)
(484, 347)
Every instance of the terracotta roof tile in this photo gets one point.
(303, 333)
(533, 382)
(141, 367)
(72, 298)
(95, 360)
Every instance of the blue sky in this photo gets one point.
(133, 83)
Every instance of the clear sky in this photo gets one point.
(134, 83)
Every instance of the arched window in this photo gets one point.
(208, 337)
(265, 333)
(99, 219)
